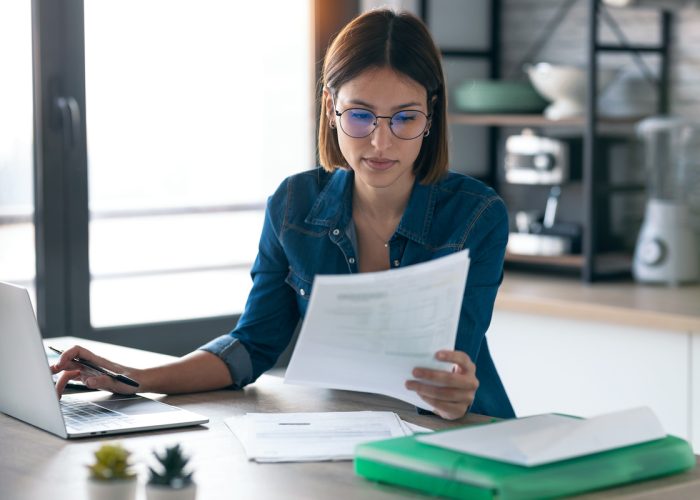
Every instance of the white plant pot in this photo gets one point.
(118, 489)
(158, 492)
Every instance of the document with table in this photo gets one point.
(312, 437)
(366, 332)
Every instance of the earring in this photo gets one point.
(331, 125)
(426, 133)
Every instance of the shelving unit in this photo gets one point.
(609, 126)
(594, 262)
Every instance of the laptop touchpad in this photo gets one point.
(135, 406)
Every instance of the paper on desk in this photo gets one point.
(366, 332)
(549, 438)
(302, 437)
(411, 428)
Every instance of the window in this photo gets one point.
(192, 120)
(164, 126)
(17, 257)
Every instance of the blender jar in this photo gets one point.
(668, 245)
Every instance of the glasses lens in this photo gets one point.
(408, 124)
(357, 122)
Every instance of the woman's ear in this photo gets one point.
(433, 100)
(330, 110)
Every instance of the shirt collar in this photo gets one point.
(335, 200)
(414, 225)
(418, 216)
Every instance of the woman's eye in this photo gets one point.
(361, 115)
(404, 117)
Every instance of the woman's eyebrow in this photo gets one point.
(360, 102)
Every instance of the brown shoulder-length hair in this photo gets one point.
(400, 41)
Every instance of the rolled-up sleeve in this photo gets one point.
(234, 354)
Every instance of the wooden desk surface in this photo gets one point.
(35, 464)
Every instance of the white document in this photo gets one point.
(549, 438)
(301, 437)
(366, 332)
(412, 429)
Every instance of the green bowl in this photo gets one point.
(497, 96)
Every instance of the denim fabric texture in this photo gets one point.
(308, 230)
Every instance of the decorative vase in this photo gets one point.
(117, 489)
(160, 492)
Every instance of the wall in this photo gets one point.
(524, 19)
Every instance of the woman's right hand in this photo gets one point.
(70, 370)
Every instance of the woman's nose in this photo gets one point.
(382, 135)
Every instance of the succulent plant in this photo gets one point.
(111, 462)
(172, 464)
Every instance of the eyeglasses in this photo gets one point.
(407, 124)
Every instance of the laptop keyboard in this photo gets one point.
(81, 415)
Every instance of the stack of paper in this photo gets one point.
(544, 439)
(304, 437)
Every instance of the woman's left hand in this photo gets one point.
(449, 393)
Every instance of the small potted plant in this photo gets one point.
(171, 482)
(110, 476)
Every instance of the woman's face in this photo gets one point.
(380, 160)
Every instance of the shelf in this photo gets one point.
(567, 260)
(596, 138)
(612, 126)
(504, 120)
(606, 263)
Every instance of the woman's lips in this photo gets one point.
(379, 163)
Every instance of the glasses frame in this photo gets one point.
(339, 114)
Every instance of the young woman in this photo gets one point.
(382, 199)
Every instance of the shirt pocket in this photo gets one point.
(300, 285)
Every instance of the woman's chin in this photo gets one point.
(382, 179)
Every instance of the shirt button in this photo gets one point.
(351, 260)
(396, 263)
(302, 292)
(336, 232)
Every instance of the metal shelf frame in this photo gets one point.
(590, 126)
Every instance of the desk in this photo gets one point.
(37, 465)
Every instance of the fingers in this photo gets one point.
(443, 393)
(449, 393)
(91, 378)
(448, 411)
(65, 361)
(463, 375)
(64, 378)
(461, 360)
(58, 366)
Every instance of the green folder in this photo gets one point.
(441, 472)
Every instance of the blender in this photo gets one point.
(668, 245)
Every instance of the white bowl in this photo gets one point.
(565, 86)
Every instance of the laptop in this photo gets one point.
(27, 389)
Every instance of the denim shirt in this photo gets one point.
(308, 230)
